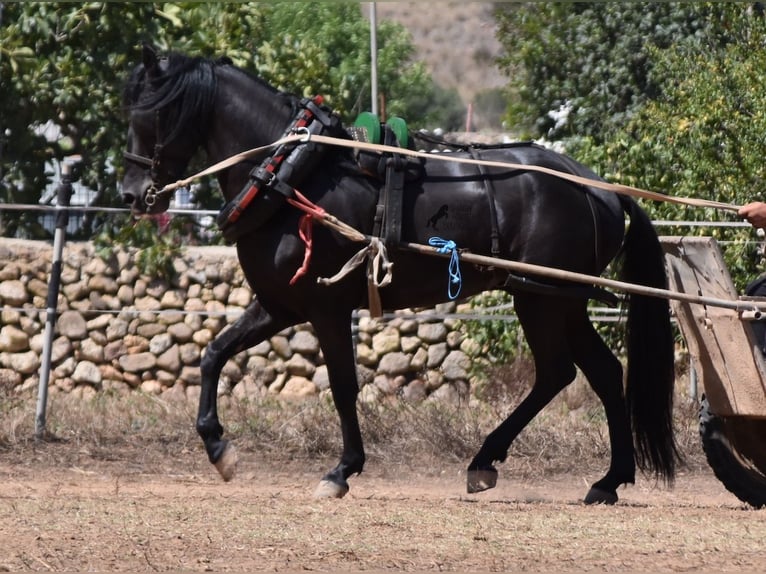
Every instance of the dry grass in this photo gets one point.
(569, 434)
(128, 488)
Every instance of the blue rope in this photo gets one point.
(445, 246)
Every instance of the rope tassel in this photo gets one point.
(455, 278)
(376, 251)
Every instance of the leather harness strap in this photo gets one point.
(280, 171)
(490, 189)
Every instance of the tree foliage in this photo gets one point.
(703, 138)
(594, 59)
(63, 64)
(664, 96)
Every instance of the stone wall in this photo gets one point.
(118, 330)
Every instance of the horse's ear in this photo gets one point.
(149, 56)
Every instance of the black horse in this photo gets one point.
(178, 104)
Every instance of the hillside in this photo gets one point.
(456, 40)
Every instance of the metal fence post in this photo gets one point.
(69, 169)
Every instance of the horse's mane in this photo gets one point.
(185, 86)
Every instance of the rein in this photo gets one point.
(306, 137)
(748, 309)
(376, 252)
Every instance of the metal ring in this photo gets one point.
(150, 197)
(307, 134)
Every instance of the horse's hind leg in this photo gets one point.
(544, 324)
(251, 328)
(604, 374)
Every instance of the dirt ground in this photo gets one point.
(142, 510)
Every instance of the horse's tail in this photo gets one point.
(650, 379)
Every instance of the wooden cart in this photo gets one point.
(729, 363)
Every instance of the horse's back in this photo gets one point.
(537, 217)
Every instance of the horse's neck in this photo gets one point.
(247, 115)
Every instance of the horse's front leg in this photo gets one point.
(338, 349)
(255, 325)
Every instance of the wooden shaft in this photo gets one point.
(590, 279)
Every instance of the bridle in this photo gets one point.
(153, 163)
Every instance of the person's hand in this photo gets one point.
(754, 212)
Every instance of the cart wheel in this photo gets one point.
(736, 452)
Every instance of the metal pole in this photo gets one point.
(374, 58)
(63, 197)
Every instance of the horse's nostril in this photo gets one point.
(128, 198)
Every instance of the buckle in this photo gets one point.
(264, 176)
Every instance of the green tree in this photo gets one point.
(662, 96)
(63, 64)
(324, 48)
(703, 138)
(592, 59)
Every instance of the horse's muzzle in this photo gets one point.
(128, 198)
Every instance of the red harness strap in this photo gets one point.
(305, 229)
(272, 164)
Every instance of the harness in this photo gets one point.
(490, 189)
(284, 170)
(280, 172)
(392, 168)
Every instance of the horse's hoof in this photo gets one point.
(226, 465)
(480, 480)
(330, 489)
(598, 496)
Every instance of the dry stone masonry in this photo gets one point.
(121, 331)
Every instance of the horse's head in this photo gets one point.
(168, 101)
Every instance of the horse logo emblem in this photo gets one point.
(442, 213)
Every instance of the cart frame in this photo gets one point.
(725, 355)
